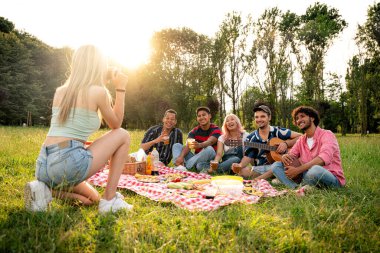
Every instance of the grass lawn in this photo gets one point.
(344, 220)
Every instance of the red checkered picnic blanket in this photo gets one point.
(192, 200)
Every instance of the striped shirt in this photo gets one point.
(201, 135)
(165, 151)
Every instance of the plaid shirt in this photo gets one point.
(165, 151)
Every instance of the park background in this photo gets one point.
(278, 57)
(282, 63)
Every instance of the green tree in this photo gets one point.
(363, 74)
(6, 26)
(230, 58)
(29, 73)
(314, 34)
(272, 50)
(179, 74)
(248, 99)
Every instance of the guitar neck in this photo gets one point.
(260, 146)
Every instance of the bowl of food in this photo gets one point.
(228, 186)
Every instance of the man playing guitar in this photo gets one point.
(263, 135)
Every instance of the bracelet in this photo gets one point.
(120, 90)
(287, 145)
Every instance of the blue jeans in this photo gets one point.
(261, 169)
(64, 166)
(200, 161)
(315, 176)
(225, 166)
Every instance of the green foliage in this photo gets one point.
(187, 70)
(6, 26)
(179, 74)
(363, 76)
(321, 24)
(230, 57)
(368, 35)
(29, 73)
(273, 50)
(344, 220)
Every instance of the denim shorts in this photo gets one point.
(63, 164)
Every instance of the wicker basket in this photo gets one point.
(133, 168)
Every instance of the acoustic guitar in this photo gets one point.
(272, 155)
(271, 147)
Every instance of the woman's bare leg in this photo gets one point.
(114, 145)
(83, 192)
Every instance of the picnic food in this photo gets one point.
(228, 186)
(180, 185)
(190, 195)
(174, 177)
(252, 191)
(238, 178)
(210, 192)
(247, 184)
(199, 187)
(201, 181)
(147, 178)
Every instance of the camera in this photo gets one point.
(111, 73)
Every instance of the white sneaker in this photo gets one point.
(37, 196)
(275, 181)
(119, 195)
(180, 168)
(114, 205)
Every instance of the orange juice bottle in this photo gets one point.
(149, 164)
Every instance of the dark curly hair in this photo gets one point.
(309, 111)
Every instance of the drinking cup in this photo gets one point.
(236, 168)
(190, 143)
(214, 165)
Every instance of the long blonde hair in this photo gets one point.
(88, 67)
(226, 132)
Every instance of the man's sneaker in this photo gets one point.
(113, 205)
(37, 196)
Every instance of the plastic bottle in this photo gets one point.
(156, 156)
(156, 160)
(149, 164)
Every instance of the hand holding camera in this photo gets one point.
(117, 78)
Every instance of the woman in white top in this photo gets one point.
(230, 145)
(64, 163)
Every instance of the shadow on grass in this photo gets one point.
(38, 231)
(62, 229)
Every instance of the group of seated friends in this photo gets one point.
(65, 163)
(317, 150)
